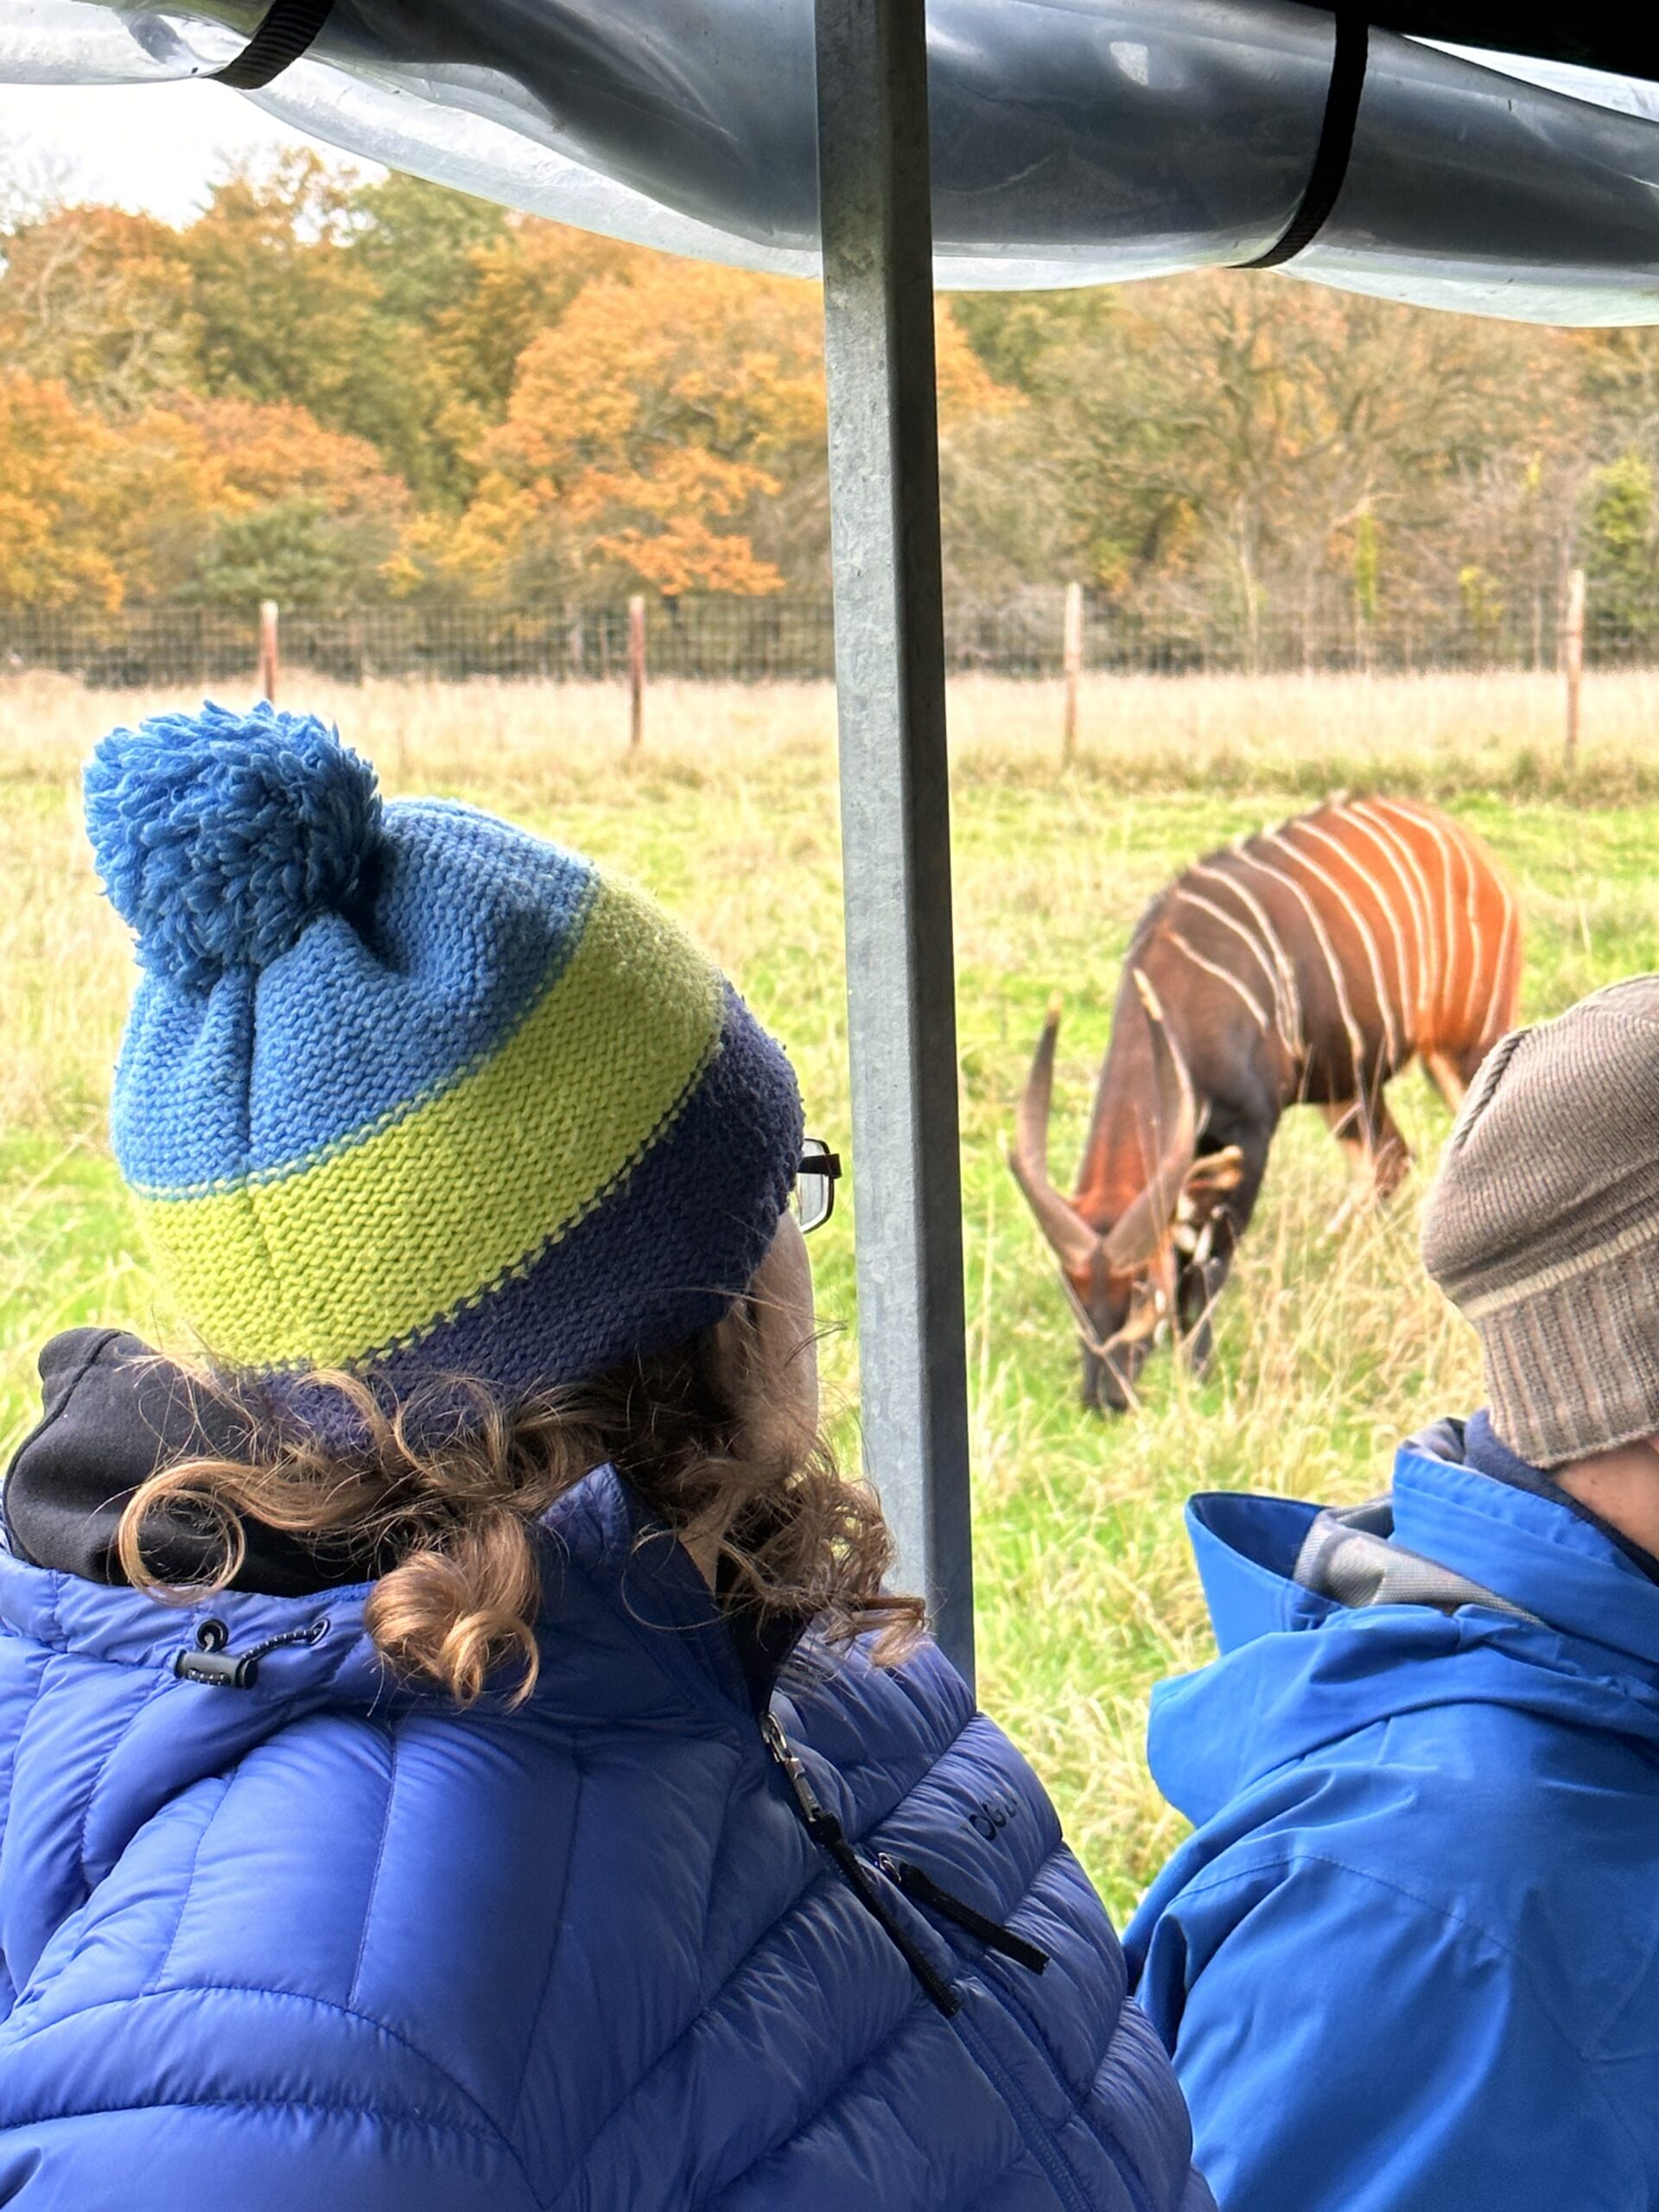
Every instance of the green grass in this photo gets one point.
(1329, 1350)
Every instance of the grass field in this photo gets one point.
(1329, 1350)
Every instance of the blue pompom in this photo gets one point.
(219, 837)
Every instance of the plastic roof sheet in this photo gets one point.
(1074, 140)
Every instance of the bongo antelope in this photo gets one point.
(1311, 962)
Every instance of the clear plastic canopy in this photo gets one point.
(1074, 140)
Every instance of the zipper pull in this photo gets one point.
(212, 1663)
(828, 1834)
(919, 1885)
(818, 1820)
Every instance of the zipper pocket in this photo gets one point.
(827, 1832)
(920, 1886)
(831, 1837)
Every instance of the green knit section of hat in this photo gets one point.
(371, 1246)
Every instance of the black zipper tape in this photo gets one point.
(919, 1885)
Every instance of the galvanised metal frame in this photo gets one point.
(884, 482)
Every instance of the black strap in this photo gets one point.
(1325, 181)
(284, 36)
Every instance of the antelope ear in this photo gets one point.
(1216, 1173)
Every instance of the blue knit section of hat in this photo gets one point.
(465, 923)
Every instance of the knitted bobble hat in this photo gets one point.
(408, 1092)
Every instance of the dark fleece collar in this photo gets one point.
(112, 1413)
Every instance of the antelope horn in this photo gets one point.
(1073, 1240)
(1140, 1234)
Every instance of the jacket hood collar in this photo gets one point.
(1540, 1557)
(602, 1552)
(1298, 1669)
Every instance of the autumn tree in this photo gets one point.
(668, 431)
(1247, 439)
(644, 430)
(290, 308)
(260, 501)
(100, 300)
(330, 389)
(60, 507)
(517, 285)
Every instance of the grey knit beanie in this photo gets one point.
(1543, 1226)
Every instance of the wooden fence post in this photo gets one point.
(1573, 663)
(268, 619)
(636, 673)
(1073, 652)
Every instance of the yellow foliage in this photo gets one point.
(99, 300)
(685, 555)
(251, 452)
(107, 511)
(644, 423)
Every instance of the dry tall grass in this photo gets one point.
(1461, 731)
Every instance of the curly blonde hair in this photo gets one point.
(445, 1489)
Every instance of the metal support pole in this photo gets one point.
(1572, 664)
(636, 672)
(269, 616)
(884, 482)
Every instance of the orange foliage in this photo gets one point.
(201, 462)
(519, 284)
(57, 511)
(252, 396)
(249, 452)
(644, 423)
(647, 424)
(102, 512)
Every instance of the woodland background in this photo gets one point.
(330, 391)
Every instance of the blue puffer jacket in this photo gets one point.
(300, 1945)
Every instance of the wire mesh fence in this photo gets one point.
(790, 639)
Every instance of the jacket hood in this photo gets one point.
(133, 1701)
(1300, 1669)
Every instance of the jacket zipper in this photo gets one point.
(827, 1832)
(831, 1837)
(210, 1659)
(913, 1882)
(1061, 2173)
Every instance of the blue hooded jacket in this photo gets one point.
(280, 1939)
(1410, 1959)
